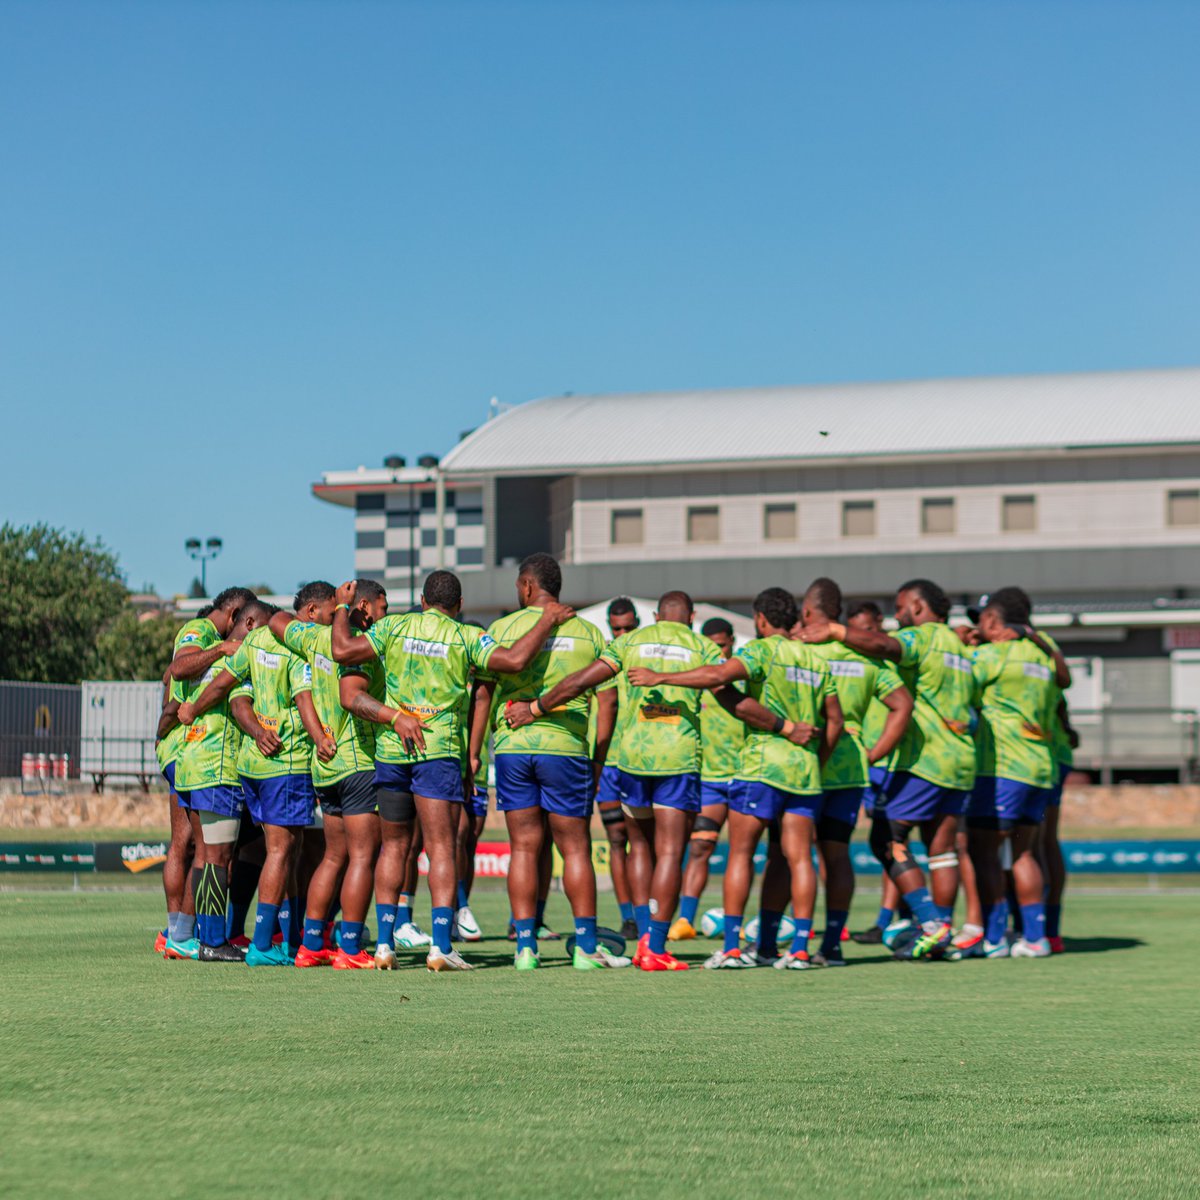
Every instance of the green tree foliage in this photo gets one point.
(133, 647)
(57, 591)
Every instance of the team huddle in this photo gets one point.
(313, 755)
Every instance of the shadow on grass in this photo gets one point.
(1101, 945)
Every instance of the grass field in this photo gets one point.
(125, 1075)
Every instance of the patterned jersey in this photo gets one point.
(355, 737)
(792, 681)
(1060, 742)
(569, 648)
(210, 745)
(276, 676)
(1018, 708)
(199, 634)
(721, 739)
(873, 723)
(937, 745)
(660, 727)
(429, 661)
(860, 682)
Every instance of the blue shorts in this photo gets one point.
(877, 785)
(910, 798)
(1055, 801)
(612, 786)
(433, 778)
(662, 791)
(753, 798)
(552, 782)
(225, 800)
(1007, 802)
(168, 773)
(715, 791)
(477, 805)
(287, 800)
(842, 804)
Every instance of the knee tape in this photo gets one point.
(612, 816)
(706, 826)
(1006, 855)
(901, 863)
(944, 862)
(218, 830)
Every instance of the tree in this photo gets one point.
(196, 591)
(57, 591)
(133, 647)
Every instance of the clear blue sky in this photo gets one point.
(244, 243)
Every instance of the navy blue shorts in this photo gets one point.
(753, 798)
(225, 800)
(287, 800)
(477, 806)
(1055, 801)
(842, 804)
(611, 789)
(715, 791)
(1007, 802)
(877, 785)
(353, 796)
(555, 783)
(663, 791)
(913, 799)
(433, 778)
(168, 773)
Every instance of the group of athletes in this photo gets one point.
(313, 754)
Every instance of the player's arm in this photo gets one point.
(348, 650)
(325, 746)
(511, 660)
(757, 716)
(481, 711)
(357, 700)
(212, 694)
(700, 679)
(874, 645)
(899, 704)
(168, 717)
(191, 662)
(279, 622)
(241, 708)
(1062, 672)
(834, 723)
(607, 705)
(524, 712)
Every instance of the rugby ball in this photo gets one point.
(787, 929)
(712, 923)
(896, 932)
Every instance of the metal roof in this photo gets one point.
(915, 418)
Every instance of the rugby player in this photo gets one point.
(544, 774)
(795, 719)
(429, 659)
(177, 885)
(859, 682)
(934, 765)
(1065, 742)
(721, 737)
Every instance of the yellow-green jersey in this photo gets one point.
(873, 723)
(569, 648)
(276, 676)
(429, 662)
(660, 725)
(197, 634)
(211, 744)
(937, 745)
(1018, 706)
(721, 739)
(355, 737)
(789, 679)
(860, 683)
(1060, 741)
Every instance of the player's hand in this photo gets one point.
(268, 743)
(519, 713)
(476, 767)
(559, 614)
(817, 630)
(186, 714)
(230, 646)
(1010, 633)
(643, 677)
(801, 733)
(326, 748)
(1072, 737)
(410, 731)
(968, 635)
(346, 592)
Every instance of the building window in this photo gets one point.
(703, 524)
(470, 556)
(369, 539)
(779, 522)
(937, 515)
(369, 502)
(1018, 514)
(858, 518)
(627, 527)
(1183, 507)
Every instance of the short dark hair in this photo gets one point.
(545, 569)
(824, 594)
(369, 589)
(442, 589)
(316, 592)
(260, 610)
(778, 606)
(677, 601)
(931, 594)
(204, 612)
(621, 606)
(864, 606)
(1013, 604)
(716, 625)
(234, 598)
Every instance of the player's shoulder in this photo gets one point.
(198, 632)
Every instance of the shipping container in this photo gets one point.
(119, 720)
(37, 718)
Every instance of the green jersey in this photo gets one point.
(355, 737)
(1060, 742)
(660, 725)
(199, 634)
(1018, 707)
(792, 681)
(937, 745)
(721, 738)
(569, 648)
(211, 744)
(276, 676)
(429, 661)
(860, 683)
(873, 723)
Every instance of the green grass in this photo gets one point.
(125, 1075)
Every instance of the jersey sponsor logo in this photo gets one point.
(566, 644)
(271, 723)
(961, 728)
(425, 649)
(956, 662)
(322, 664)
(669, 653)
(307, 676)
(663, 714)
(195, 732)
(1032, 732)
(420, 711)
(802, 675)
(486, 641)
(855, 669)
(1037, 671)
(270, 661)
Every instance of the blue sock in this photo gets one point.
(289, 923)
(585, 934)
(641, 914)
(264, 925)
(687, 908)
(922, 906)
(1033, 921)
(626, 912)
(885, 918)
(235, 925)
(541, 913)
(314, 934)
(404, 910)
(462, 898)
(945, 911)
(172, 923)
(185, 927)
(441, 928)
(658, 936)
(768, 932)
(803, 929)
(997, 922)
(1053, 920)
(835, 922)
(210, 928)
(733, 931)
(526, 934)
(352, 936)
(385, 915)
